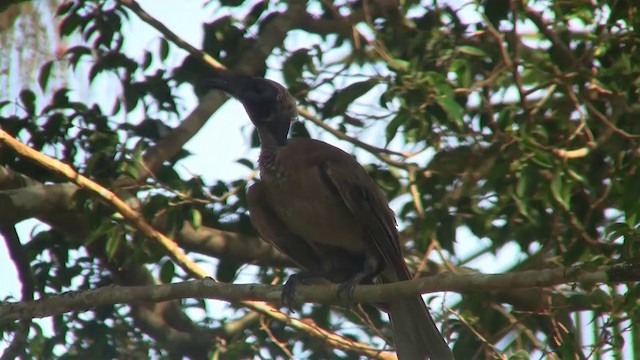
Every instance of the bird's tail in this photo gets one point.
(415, 332)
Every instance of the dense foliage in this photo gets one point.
(515, 121)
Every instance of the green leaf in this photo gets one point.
(45, 73)
(341, 99)
(522, 207)
(164, 49)
(146, 61)
(294, 65)
(64, 8)
(617, 230)
(451, 107)
(522, 185)
(496, 10)
(4, 103)
(471, 50)
(391, 130)
(399, 65)
(445, 96)
(246, 162)
(76, 53)
(167, 272)
(542, 158)
(576, 176)
(132, 95)
(558, 189)
(69, 24)
(446, 230)
(113, 243)
(28, 101)
(196, 219)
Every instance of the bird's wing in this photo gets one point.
(416, 334)
(274, 230)
(369, 207)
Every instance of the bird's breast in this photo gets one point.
(311, 209)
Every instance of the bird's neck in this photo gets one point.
(273, 135)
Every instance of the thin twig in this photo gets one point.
(146, 17)
(603, 119)
(281, 344)
(513, 321)
(515, 61)
(479, 336)
(415, 194)
(538, 20)
(380, 153)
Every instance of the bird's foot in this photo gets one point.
(345, 292)
(289, 289)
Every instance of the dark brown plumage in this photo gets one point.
(316, 204)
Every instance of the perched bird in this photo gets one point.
(319, 206)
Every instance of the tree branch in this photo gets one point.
(380, 153)
(35, 201)
(233, 246)
(146, 17)
(538, 20)
(210, 289)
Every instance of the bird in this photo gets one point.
(315, 203)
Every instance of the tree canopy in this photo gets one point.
(492, 126)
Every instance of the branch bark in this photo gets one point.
(210, 289)
(232, 246)
(35, 201)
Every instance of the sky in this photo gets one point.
(227, 130)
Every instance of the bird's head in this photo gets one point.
(269, 105)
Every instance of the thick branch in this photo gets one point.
(233, 246)
(209, 288)
(36, 201)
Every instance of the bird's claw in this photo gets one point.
(289, 293)
(345, 292)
